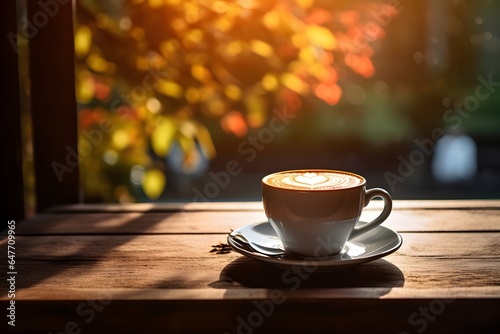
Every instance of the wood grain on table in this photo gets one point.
(154, 262)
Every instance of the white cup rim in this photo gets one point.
(314, 170)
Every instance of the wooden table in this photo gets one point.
(148, 268)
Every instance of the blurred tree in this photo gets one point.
(150, 72)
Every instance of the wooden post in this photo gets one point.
(49, 27)
(12, 176)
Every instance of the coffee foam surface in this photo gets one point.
(313, 180)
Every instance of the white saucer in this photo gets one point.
(372, 245)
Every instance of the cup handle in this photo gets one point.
(371, 193)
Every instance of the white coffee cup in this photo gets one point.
(315, 211)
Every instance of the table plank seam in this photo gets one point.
(56, 234)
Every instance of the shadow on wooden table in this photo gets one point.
(246, 272)
(72, 249)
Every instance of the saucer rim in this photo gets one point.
(321, 266)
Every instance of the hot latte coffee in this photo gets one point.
(315, 211)
(313, 180)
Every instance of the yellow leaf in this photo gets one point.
(153, 183)
(220, 6)
(307, 55)
(83, 40)
(256, 110)
(186, 144)
(269, 82)
(192, 12)
(224, 24)
(142, 111)
(169, 47)
(234, 48)
(169, 88)
(155, 3)
(121, 139)
(294, 83)
(321, 37)
(291, 21)
(305, 3)
(163, 136)
(233, 92)
(299, 40)
(261, 48)
(97, 63)
(200, 73)
(84, 87)
(271, 20)
(193, 37)
(205, 141)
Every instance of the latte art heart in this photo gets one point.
(313, 180)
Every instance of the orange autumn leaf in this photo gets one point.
(360, 64)
(102, 90)
(234, 122)
(90, 117)
(328, 76)
(349, 18)
(329, 93)
(318, 16)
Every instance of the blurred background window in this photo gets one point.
(197, 100)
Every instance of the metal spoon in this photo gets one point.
(259, 248)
